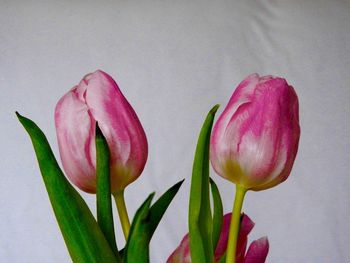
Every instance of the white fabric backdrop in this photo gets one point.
(174, 60)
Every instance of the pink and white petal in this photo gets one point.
(120, 125)
(244, 91)
(260, 133)
(288, 138)
(182, 252)
(220, 148)
(257, 251)
(75, 133)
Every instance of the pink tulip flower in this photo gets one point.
(97, 98)
(255, 140)
(257, 251)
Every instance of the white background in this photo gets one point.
(174, 60)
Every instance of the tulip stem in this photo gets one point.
(235, 224)
(123, 213)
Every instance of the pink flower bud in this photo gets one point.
(255, 140)
(257, 251)
(97, 98)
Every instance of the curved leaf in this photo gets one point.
(145, 223)
(200, 218)
(81, 233)
(136, 249)
(160, 206)
(217, 214)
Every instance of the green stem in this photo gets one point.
(123, 213)
(235, 224)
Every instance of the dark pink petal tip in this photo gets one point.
(257, 251)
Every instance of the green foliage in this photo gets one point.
(200, 217)
(103, 193)
(222, 259)
(83, 237)
(217, 214)
(145, 223)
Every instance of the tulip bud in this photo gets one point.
(257, 251)
(255, 140)
(97, 98)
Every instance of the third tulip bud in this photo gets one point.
(255, 140)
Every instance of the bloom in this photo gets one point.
(257, 251)
(255, 140)
(97, 98)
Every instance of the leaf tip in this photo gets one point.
(98, 131)
(23, 120)
(19, 116)
(151, 195)
(215, 108)
(181, 181)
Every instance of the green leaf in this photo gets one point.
(137, 249)
(222, 259)
(83, 237)
(200, 218)
(158, 208)
(103, 193)
(217, 214)
(144, 225)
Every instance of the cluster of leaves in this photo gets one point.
(91, 240)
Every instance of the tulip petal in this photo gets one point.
(241, 96)
(259, 135)
(120, 125)
(182, 253)
(257, 251)
(75, 135)
(246, 226)
(222, 243)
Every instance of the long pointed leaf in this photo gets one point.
(136, 249)
(82, 235)
(200, 218)
(217, 214)
(103, 193)
(160, 206)
(145, 223)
